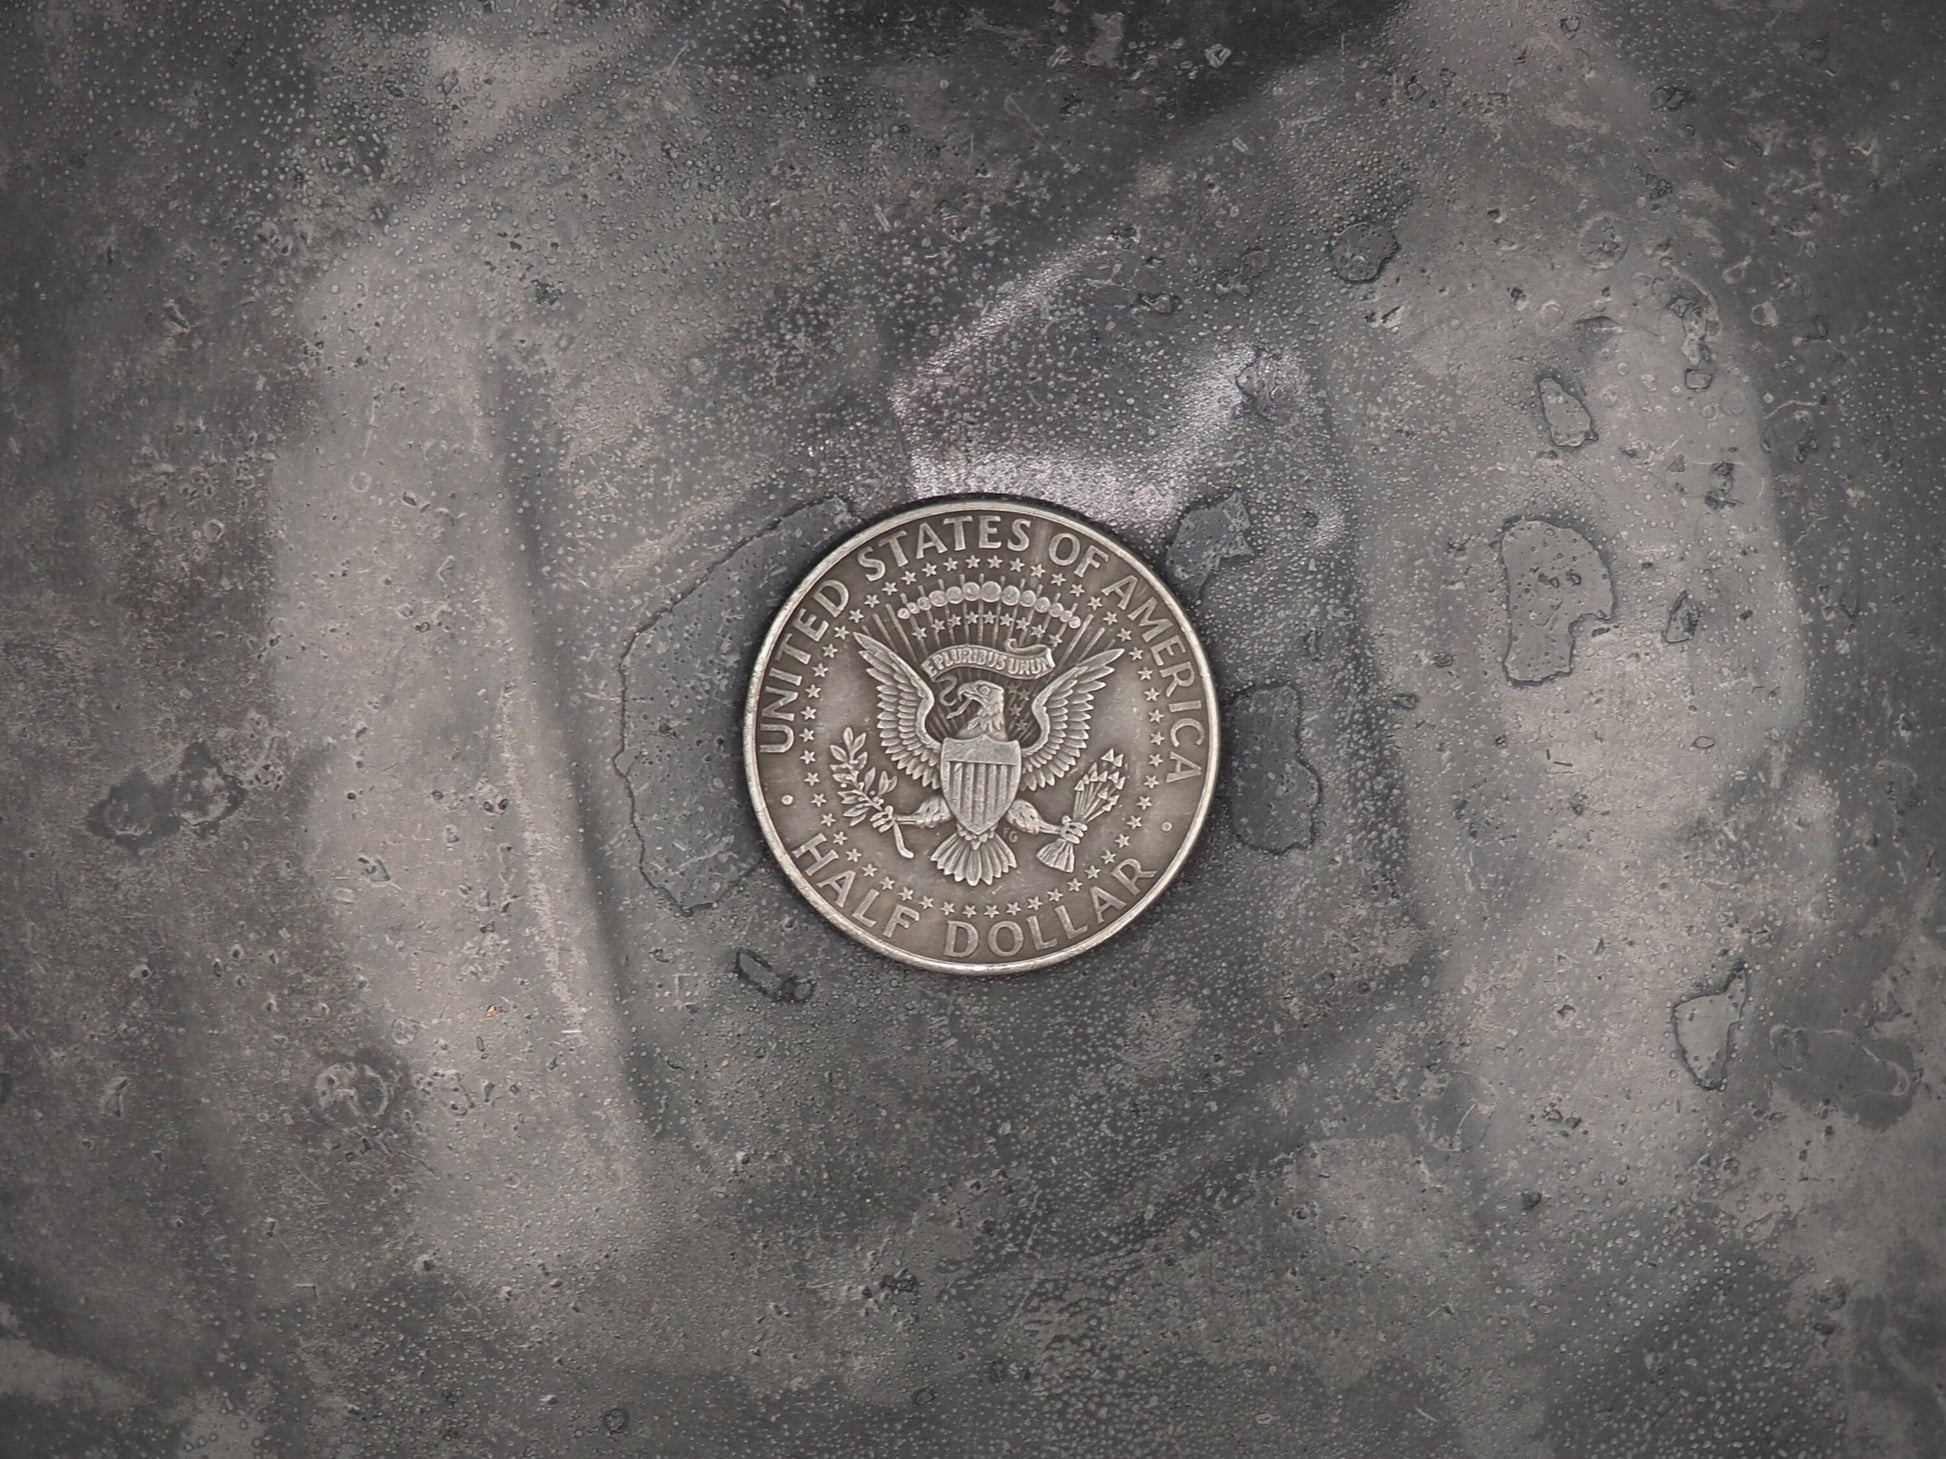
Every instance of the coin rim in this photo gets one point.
(753, 784)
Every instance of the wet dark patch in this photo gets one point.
(1900, 1348)
(1873, 1080)
(1274, 385)
(359, 1090)
(683, 688)
(1361, 251)
(1602, 241)
(138, 811)
(1208, 536)
(1721, 491)
(1277, 390)
(1598, 333)
(1238, 280)
(1555, 580)
(1564, 414)
(134, 813)
(1706, 1030)
(1274, 795)
(202, 791)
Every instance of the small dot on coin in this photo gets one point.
(789, 799)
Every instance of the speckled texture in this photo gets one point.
(405, 413)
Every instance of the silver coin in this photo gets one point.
(981, 736)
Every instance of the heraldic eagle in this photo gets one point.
(977, 771)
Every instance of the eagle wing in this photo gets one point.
(1062, 711)
(904, 701)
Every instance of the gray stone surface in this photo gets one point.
(408, 410)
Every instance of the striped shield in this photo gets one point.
(978, 777)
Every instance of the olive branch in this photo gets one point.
(862, 790)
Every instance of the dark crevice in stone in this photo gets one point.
(1685, 617)
(683, 687)
(777, 984)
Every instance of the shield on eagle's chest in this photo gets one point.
(978, 777)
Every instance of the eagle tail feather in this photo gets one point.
(975, 860)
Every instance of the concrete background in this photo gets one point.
(408, 417)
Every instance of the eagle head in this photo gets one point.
(989, 716)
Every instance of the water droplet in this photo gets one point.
(779, 985)
(1274, 386)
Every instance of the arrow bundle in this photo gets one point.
(1096, 793)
